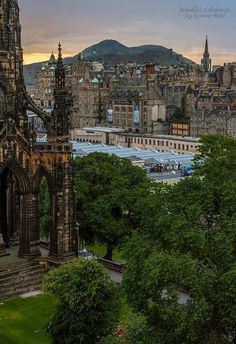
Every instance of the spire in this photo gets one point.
(60, 71)
(52, 60)
(206, 53)
(206, 61)
(60, 60)
(59, 125)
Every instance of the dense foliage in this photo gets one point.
(181, 253)
(87, 306)
(107, 189)
(182, 263)
(133, 331)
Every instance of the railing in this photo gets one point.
(115, 266)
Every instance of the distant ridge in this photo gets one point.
(114, 52)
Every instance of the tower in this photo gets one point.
(24, 161)
(206, 61)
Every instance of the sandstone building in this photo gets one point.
(24, 162)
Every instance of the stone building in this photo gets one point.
(45, 84)
(213, 122)
(24, 162)
(136, 104)
(161, 143)
(89, 92)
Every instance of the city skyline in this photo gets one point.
(175, 25)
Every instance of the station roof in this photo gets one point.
(151, 156)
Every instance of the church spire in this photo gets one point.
(60, 70)
(206, 53)
(206, 61)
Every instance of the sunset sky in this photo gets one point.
(78, 24)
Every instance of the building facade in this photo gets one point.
(23, 162)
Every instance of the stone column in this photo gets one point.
(3, 251)
(34, 226)
(63, 243)
(29, 236)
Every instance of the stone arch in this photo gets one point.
(16, 199)
(40, 173)
(19, 173)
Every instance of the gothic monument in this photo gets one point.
(24, 162)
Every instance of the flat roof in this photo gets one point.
(85, 148)
(103, 129)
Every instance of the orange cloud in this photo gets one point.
(218, 57)
(39, 57)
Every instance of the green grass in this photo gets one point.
(100, 249)
(22, 321)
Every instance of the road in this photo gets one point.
(116, 276)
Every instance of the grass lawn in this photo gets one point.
(22, 321)
(100, 249)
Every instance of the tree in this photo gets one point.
(135, 331)
(107, 189)
(87, 302)
(179, 116)
(181, 270)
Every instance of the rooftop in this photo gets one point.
(148, 155)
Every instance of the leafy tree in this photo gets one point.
(179, 116)
(181, 263)
(135, 331)
(87, 307)
(107, 189)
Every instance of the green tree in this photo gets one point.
(179, 116)
(185, 250)
(107, 189)
(87, 306)
(135, 331)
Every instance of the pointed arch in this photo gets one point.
(19, 173)
(40, 173)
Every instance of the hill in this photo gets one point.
(114, 52)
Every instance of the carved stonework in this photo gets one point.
(24, 162)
